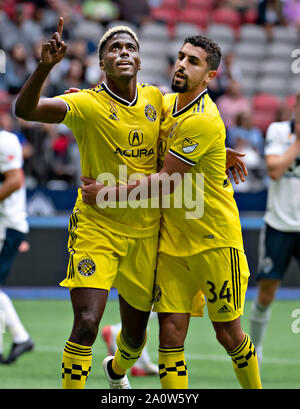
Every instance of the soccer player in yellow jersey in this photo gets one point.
(200, 251)
(116, 126)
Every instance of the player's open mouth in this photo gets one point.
(124, 63)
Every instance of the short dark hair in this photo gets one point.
(113, 31)
(212, 49)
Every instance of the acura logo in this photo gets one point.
(136, 138)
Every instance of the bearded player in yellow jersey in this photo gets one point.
(200, 251)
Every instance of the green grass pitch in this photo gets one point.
(49, 323)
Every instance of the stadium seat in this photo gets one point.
(286, 35)
(272, 85)
(221, 32)
(129, 24)
(280, 68)
(158, 68)
(89, 30)
(150, 78)
(154, 48)
(265, 103)
(252, 33)
(165, 14)
(262, 120)
(250, 16)
(5, 101)
(293, 84)
(201, 4)
(183, 30)
(195, 16)
(250, 51)
(248, 86)
(175, 4)
(173, 48)
(155, 31)
(248, 68)
(279, 51)
(290, 100)
(227, 16)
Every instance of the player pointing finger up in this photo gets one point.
(55, 49)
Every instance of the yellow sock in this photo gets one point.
(76, 365)
(245, 364)
(125, 356)
(172, 368)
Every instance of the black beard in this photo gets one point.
(179, 88)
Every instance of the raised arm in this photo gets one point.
(29, 105)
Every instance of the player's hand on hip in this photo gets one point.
(54, 51)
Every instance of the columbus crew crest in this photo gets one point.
(150, 113)
(86, 267)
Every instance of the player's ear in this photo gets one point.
(102, 66)
(210, 75)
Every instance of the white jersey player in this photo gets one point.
(13, 227)
(280, 237)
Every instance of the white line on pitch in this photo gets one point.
(196, 357)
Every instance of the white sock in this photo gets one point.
(12, 321)
(259, 319)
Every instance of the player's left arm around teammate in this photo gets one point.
(90, 188)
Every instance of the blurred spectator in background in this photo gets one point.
(102, 11)
(291, 12)
(136, 12)
(21, 28)
(229, 70)
(284, 113)
(74, 78)
(13, 125)
(61, 168)
(240, 5)
(270, 13)
(244, 137)
(17, 70)
(244, 133)
(231, 103)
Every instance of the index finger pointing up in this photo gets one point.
(60, 25)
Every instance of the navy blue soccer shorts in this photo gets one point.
(276, 251)
(8, 251)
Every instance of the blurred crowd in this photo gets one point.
(51, 157)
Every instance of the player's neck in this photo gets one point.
(125, 90)
(186, 98)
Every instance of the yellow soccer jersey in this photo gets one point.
(111, 132)
(207, 216)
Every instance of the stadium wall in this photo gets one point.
(46, 261)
